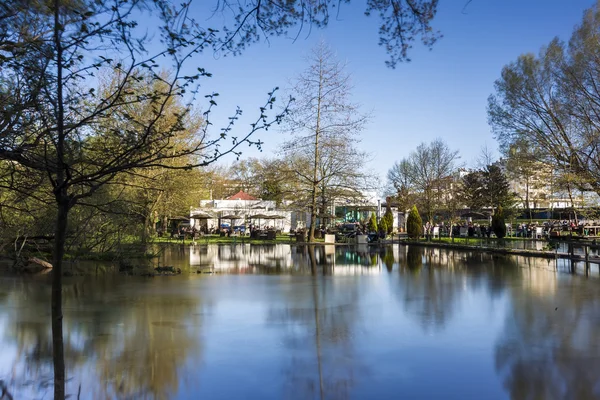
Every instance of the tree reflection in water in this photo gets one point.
(133, 343)
(128, 337)
(550, 347)
(433, 280)
(319, 335)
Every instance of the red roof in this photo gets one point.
(241, 196)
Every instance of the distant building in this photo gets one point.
(240, 209)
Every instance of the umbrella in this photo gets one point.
(201, 215)
(474, 214)
(231, 218)
(274, 217)
(260, 216)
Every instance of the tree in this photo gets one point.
(414, 224)
(523, 166)
(383, 226)
(325, 124)
(497, 190)
(473, 190)
(498, 223)
(550, 101)
(56, 123)
(80, 137)
(488, 187)
(400, 183)
(426, 174)
(388, 217)
(372, 224)
(402, 22)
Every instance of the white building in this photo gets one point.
(241, 209)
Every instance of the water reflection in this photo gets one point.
(313, 322)
(325, 321)
(284, 259)
(550, 346)
(132, 345)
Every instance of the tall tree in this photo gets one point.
(427, 173)
(551, 102)
(325, 124)
(80, 137)
(400, 183)
(50, 53)
(497, 190)
(524, 166)
(472, 190)
(488, 187)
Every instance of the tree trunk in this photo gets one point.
(315, 183)
(148, 228)
(63, 205)
(527, 199)
(317, 319)
(56, 303)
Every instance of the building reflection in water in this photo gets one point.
(286, 259)
(342, 322)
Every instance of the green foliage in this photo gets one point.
(488, 187)
(473, 190)
(423, 177)
(372, 224)
(414, 224)
(414, 258)
(498, 187)
(383, 225)
(388, 217)
(547, 101)
(498, 223)
(271, 190)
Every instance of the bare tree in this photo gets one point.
(321, 118)
(425, 176)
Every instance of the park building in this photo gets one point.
(242, 210)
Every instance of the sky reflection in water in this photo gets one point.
(289, 322)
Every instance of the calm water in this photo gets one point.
(281, 322)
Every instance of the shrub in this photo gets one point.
(498, 224)
(372, 225)
(414, 224)
(389, 220)
(383, 227)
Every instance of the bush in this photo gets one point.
(372, 225)
(498, 223)
(383, 227)
(414, 224)
(388, 217)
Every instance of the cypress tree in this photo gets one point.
(414, 224)
(372, 225)
(389, 220)
(498, 224)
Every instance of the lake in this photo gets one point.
(295, 322)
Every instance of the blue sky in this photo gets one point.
(441, 93)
